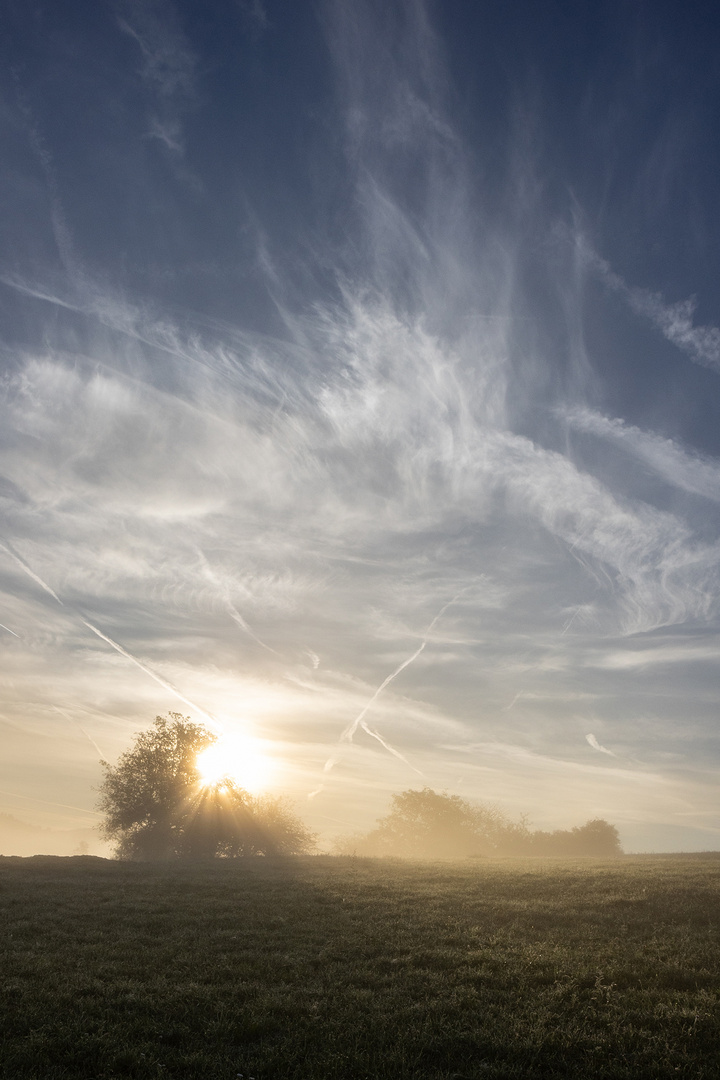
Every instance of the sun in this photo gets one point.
(235, 758)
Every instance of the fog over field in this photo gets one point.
(360, 399)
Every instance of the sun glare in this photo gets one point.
(237, 759)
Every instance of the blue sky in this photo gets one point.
(359, 390)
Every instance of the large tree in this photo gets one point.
(156, 805)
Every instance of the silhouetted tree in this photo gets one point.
(156, 806)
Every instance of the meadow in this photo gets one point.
(318, 968)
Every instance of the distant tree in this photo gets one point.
(596, 837)
(157, 807)
(427, 825)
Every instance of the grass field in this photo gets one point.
(321, 968)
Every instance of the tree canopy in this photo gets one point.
(157, 807)
(430, 825)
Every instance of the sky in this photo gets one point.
(360, 399)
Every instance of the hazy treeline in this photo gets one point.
(19, 837)
(427, 825)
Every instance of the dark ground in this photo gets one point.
(318, 968)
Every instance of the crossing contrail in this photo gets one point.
(359, 721)
(389, 748)
(350, 730)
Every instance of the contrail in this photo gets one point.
(520, 693)
(391, 749)
(48, 802)
(232, 610)
(30, 572)
(153, 675)
(350, 730)
(91, 741)
(237, 617)
(4, 627)
(66, 713)
(123, 652)
(359, 721)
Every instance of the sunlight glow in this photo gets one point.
(235, 758)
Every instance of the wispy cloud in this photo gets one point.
(168, 60)
(168, 65)
(674, 321)
(596, 745)
(263, 521)
(673, 463)
(255, 12)
(61, 229)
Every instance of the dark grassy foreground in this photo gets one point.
(320, 968)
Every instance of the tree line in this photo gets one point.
(428, 825)
(156, 806)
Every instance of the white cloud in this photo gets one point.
(692, 472)
(168, 60)
(256, 14)
(168, 66)
(674, 321)
(596, 745)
